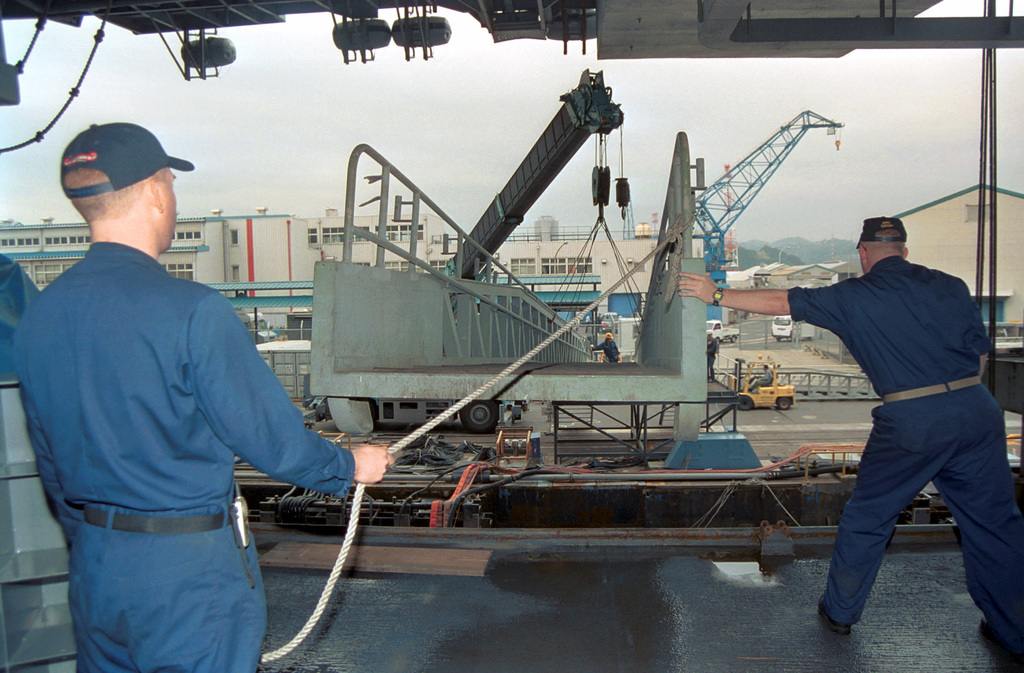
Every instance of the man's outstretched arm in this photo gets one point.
(769, 302)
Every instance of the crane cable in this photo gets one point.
(673, 234)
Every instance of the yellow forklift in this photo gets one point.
(759, 387)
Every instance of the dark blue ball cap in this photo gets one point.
(125, 153)
(879, 229)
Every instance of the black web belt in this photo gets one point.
(158, 525)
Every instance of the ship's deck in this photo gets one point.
(638, 610)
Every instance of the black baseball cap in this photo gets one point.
(125, 153)
(879, 229)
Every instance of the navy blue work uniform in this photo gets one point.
(910, 327)
(611, 351)
(140, 389)
(16, 292)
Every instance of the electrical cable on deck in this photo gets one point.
(431, 451)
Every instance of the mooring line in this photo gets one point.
(672, 235)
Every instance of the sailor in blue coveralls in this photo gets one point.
(919, 337)
(140, 389)
(608, 347)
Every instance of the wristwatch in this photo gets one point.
(719, 293)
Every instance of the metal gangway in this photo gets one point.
(420, 332)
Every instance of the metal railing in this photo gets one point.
(486, 320)
(809, 383)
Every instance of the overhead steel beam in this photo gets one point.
(887, 32)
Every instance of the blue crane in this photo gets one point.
(723, 202)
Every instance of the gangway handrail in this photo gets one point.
(389, 170)
(461, 284)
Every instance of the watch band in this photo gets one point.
(717, 296)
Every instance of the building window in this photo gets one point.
(188, 235)
(234, 237)
(180, 271)
(47, 273)
(13, 242)
(236, 273)
(581, 265)
(553, 266)
(972, 213)
(334, 234)
(438, 264)
(311, 232)
(523, 266)
(397, 265)
(403, 232)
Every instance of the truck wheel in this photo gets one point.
(783, 403)
(746, 403)
(480, 417)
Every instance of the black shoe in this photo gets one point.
(833, 625)
(986, 631)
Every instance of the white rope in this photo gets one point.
(673, 234)
(765, 484)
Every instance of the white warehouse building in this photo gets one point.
(943, 234)
(278, 253)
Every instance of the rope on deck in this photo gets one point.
(673, 235)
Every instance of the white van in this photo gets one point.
(782, 328)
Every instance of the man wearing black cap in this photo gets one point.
(140, 389)
(919, 337)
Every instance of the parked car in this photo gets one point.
(782, 328)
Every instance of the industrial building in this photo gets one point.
(565, 267)
(944, 234)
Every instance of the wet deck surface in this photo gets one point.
(642, 611)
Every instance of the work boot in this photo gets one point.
(986, 631)
(833, 625)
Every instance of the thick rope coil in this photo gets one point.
(672, 235)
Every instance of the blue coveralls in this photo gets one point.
(140, 389)
(611, 351)
(909, 327)
(16, 292)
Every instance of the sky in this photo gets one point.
(276, 128)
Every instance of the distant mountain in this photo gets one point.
(764, 256)
(795, 250)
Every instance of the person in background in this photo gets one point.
(140, 389)
(918, 335)
(608, 347)
(765, 379)
(712, 354)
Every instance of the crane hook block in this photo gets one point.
(622, 192)
(601, 185)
